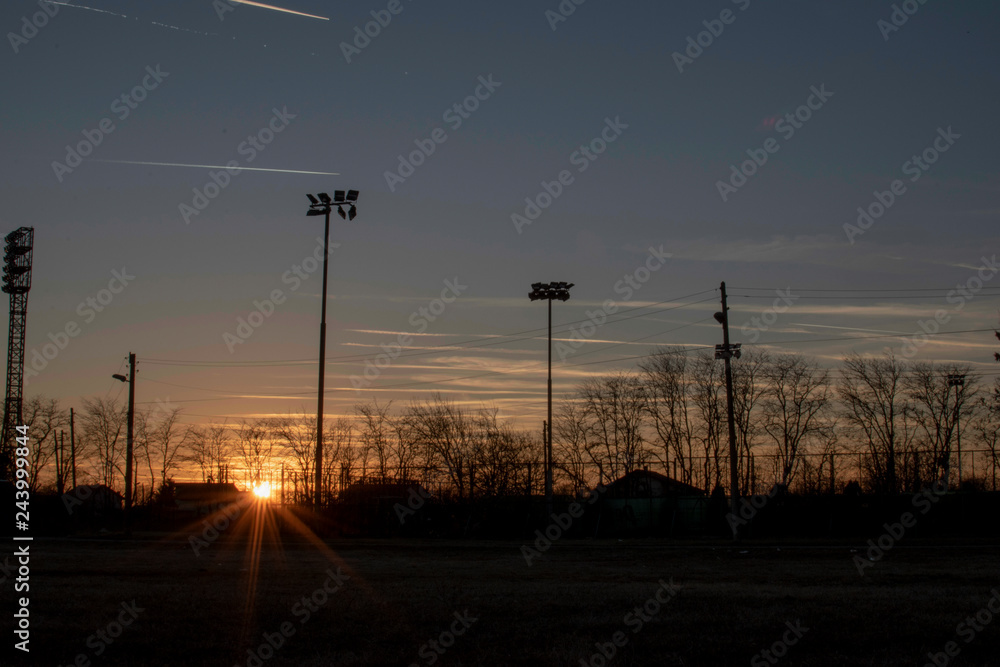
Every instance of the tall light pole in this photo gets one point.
(957, 380)
(322, 206)
(727, 351)
(128, 442)
(548, 292)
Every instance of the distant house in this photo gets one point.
(644, 501)
(206, 497)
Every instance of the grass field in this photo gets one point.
(731, 602)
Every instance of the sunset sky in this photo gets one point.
(612, 120)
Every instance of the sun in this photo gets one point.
(262, 490)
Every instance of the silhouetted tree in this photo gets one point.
(876, 405)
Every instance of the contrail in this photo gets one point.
(93, 9)
(279, 9)
(215, 166)
(104, 11)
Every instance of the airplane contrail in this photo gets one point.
(104, 11)
(279, 9)
(216, 166)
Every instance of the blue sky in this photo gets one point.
(655, 185)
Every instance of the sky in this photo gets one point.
(644, 151)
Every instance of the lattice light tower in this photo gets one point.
(16, 282)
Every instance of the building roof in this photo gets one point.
(649, 484)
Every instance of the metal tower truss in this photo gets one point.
(16, 282)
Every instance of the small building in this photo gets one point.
(206, 497)
(646, 502)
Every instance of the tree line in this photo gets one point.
(884, 423)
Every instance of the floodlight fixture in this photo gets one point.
(315, 211)
(352, 195)
(312, 200)
(338, 196)
(325, 198)
(352, 212)
(340, 212)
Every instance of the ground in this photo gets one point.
(729, 603)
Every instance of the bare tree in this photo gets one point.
(669, 404)
(254, 446)
(795, 408)
(939, 410)
(297, 435)
(748, 389)
(571, 451)
(210, 447)
(708, 395)
(104, 422)
(444, 433)
(44, 418)
(376, 434)
(986, 425)
(502, 456)
(877, 407)
(614, 409)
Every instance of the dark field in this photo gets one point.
(733, 603)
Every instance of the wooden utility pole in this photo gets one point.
(726, 352)
(72, 446)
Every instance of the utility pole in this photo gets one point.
(59, 462)
(72, 446)
(726, 352)
(957, 380)
(128, 442)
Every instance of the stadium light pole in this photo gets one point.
(548, 292)
(130, 380)
(323, 206)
